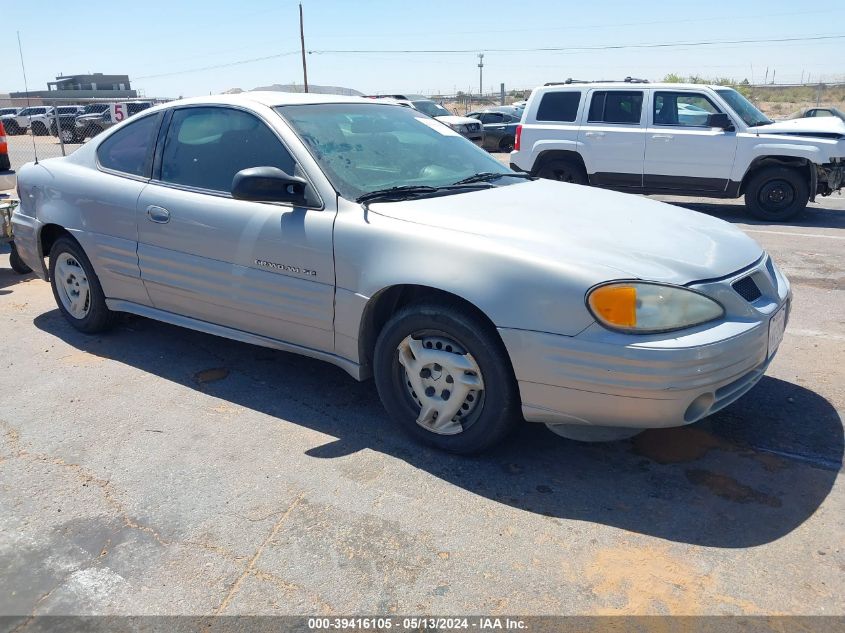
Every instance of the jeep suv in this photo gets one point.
(679, 139)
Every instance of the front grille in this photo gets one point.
(747, 289)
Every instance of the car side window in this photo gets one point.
(492, 117)
(559, 106)
(823, 113)
(129, 149)
(206, 146)
(682, 109)
(616, 106)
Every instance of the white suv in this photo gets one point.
(682, 139)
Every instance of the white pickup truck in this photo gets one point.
(680, 139)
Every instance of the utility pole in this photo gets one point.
(302, 42)
(480, 74)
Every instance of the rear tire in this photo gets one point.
(564, 171)
(39, 129)
(777, 194)
(77, 289)
(506, 144)
(15, 261)
(439, 360)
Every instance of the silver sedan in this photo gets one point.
(375, 238)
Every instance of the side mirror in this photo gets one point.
(721, 120)
(268, 184)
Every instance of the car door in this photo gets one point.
(494, 127)
(107, 199)
(682, 151)
(612, 138)
(263, 268)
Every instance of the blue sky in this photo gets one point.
(149, 40)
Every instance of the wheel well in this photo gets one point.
(48, 236)
(557, 154)
(758, 164)
(385, 303)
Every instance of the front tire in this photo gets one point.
(777, 194)
(564, 171)
(69, 136)
(77, 289)
(444, 377)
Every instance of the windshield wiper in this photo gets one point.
(397, 192)
(486, 176)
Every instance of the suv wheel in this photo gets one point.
(565, 171)
(777, 194)
(77, 289)
(445, 378)
(39, 129)
(69, 136)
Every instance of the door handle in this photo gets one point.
(594, 134)
(662, 137)
(159, 215)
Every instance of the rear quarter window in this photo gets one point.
(559, 106)
(129, 150)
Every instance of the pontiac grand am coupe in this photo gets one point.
(380, 240)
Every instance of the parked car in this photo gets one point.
(683, 139)
(91, 123)
(365, 235)
(42, 124)
(499, 128)
(7, 117)
(67, 116)
(821, 113)
(23, 119)
(465, 126)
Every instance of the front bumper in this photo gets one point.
(605, 378)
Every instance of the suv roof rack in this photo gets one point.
(627, 80)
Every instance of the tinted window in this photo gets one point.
(616, 107)
(559, 106)
(823, 113)
(129, 150)
(492, 117)
(682, 109)
(206, 147)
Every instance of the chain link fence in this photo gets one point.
(47, 128)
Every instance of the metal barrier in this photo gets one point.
(48, 128)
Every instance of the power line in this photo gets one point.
(226, 65)
(562, 49)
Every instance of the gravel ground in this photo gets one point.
(155, 470)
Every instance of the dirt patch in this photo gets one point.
(211, 375)
(730, 489)
(677, 445)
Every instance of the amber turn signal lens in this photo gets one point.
(616, 305)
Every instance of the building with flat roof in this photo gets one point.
(83, 87)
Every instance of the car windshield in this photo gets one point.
(369, 147)
(95, 108)
(430, 108)
(68, 109)
(746, 110)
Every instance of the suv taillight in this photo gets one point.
(517, 137)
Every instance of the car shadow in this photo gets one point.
(9, 277)
(746, 476)
(813, 217)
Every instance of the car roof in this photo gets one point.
(626, 85)
(267, 98)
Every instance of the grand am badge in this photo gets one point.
(286, 268)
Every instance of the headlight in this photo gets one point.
(642, 307)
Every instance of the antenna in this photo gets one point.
(26, 87)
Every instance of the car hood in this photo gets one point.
(455, 120)
(618, 235)
(808, 126)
